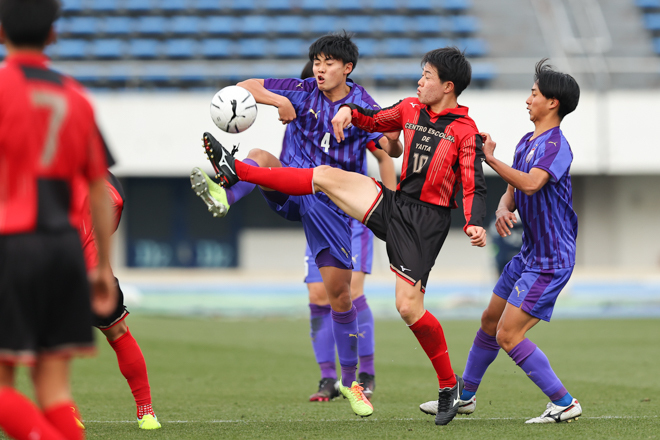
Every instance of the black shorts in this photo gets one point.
(413, 231)
(44, 297)
(116, 316)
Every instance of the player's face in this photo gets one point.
(330, 73)
(538, 105)
(430, 88)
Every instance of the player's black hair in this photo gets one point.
(308, 71)
(557, 85)
(27, 23)
(338, 46)
(451, 65)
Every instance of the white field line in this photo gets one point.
(457, 419)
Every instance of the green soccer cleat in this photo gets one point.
(148, 422)
(210, 192)
(359, 403)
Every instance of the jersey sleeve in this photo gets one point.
(295, 90)
(470, 157)
(381, 120)
(556, 160)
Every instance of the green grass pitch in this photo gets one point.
(223, 378)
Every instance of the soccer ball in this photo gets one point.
(233, 109)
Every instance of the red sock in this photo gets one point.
(292, 181)
(22, 420)
(133, 367)
(63, 417)
(432, 339)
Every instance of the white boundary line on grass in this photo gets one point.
(357, 420)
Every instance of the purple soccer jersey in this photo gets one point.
(549, 222)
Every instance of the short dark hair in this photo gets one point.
(451, 65)
(557, 85)
(337, 46)
(308, 71)
(27, 23)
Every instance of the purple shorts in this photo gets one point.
(363, 253)
(533, 290)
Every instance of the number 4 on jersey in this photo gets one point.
(325, 143)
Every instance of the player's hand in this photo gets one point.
(477, 235)
(286, 111)
(341, 121)
(504, 220)
(489, 145)
(104, 291)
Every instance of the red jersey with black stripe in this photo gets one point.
(441, 151)
(48, 140)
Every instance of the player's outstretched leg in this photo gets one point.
(222, 160)
(210, 192)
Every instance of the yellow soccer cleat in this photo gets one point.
(359, 403)
(210, 192)
(78, 417)
(148, 422)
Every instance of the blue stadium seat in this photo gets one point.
(207, 5)
(151, 25)
(181, 48)
(70, 49)
(419, 5)
(428, 44)
(278, 5)
(242, 5)
(656, 45)
(323, 24)
(348, 5)
(219, 25)
(103, 5)
(290, 48)
(483, 72)
(253, 24)
(359, 24)
(394, 24)
(139, 5)
(216, 48)
(72, 6)
(384, 5)
(185, 25)
(474, 47)
(648, 4)
(315, 5)
(253, 48)
(82, 26)
(61, 25)
(398, 47)
(464, 24)
(427, 24)
(156, 73)
(118, 25)
(173, 5)
(288, 24)
(86, 72)
(456, 5)
(652, 22)
(144, 48)
(191, 73)
(368, 47)
(109, 49)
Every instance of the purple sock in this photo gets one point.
(483, 352)
(323, 341)
(345, 330)
(536, 366)
(241, 189)
(366, 342)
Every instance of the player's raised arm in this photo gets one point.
(470, 156)
(383, 120)
(264, 96)
(385, 164)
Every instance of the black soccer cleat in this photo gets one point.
(222, 161)
(368, 382)
(448, 402)
(328, 390)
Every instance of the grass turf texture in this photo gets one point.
(218, 378)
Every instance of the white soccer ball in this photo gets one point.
(233, 109)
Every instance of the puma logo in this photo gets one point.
(316, 115)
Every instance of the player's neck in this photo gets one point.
(13, 50)
(544, 125)
(447, 101)
(338, 93)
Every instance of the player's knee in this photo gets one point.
(322, 176)
(116, 331)
(261, 157)
(408, 312)
(505, 339)
(489, 322)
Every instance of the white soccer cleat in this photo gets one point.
(558, 414)
(464, 406)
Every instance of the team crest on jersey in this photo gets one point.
(529, 156)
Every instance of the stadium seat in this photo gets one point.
(456, 5)
(398, 47)
(278, 5)
(288, 24)
(656, 45)
(3, 51)
(151, 25)
(192, 73)
(155, 73)
(103, 5)
(358, 24)
(348, 5)
(394, 24)
(430, 24)
(219, 25)
(70, 49)
(464, 24)
(474, 47)
(108, 49)
(323, 24)
(253, 24)
(242, 5)
(82, 26)
(86, 73)
(253, 48)
(206, 5)
(290, 48)
(173, 5)
(139, 5)
(117, 73)
(367, 47)
(72, 6)
(186, 25)
(428, 44)
(384, 5)
(216, 48)
(117, 25)
(483, 72)
(419, 5)
(144, 48)
(652, 22)
(181, 48)
(314, 5)
(648, 4)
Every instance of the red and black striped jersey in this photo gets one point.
(48, 140)
(441, 152)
